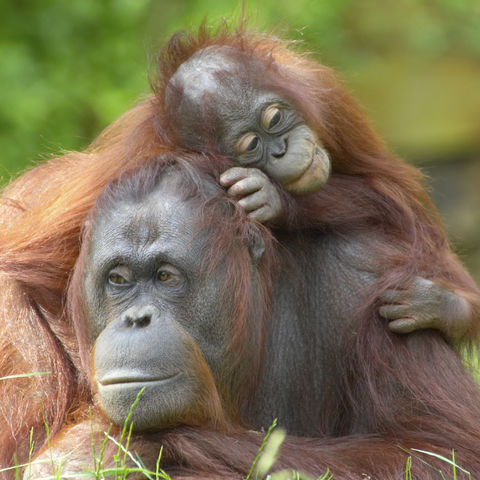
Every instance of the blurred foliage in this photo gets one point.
(67, 69)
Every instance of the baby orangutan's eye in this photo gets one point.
(271, 116)
(248, 143)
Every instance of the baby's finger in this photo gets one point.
(245, 187)
(403, 325)
(393, 295)
(394, 312)
(253, 201)
(263, 214)
(234, 175)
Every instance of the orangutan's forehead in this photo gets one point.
(203, 72)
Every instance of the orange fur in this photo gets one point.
(42, 213)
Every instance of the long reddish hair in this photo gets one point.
(370, 189)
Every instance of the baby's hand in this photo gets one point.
(256, 194)
(426, 304)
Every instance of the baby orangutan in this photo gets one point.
(257, 128)
(227, 101)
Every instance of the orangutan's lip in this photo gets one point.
(306, 169)
(117, 378)
(314, 175)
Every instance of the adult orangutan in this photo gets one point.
(163, 252)
(42, 214)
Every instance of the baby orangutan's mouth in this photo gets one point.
(315, 174)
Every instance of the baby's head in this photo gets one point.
(222, 100)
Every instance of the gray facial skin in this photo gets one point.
(215, 103)
(153, 316)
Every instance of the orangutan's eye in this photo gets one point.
(117, 278)
(120, 275)
(170, 277)
(248, 143)
(163, 276)
(271, 116)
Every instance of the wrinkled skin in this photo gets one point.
(255, 128)
(425, 304)
(154, 319)
(255, 193)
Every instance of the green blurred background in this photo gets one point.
(68, 68)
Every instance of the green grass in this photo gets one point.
(262, 464)
(267, 455)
